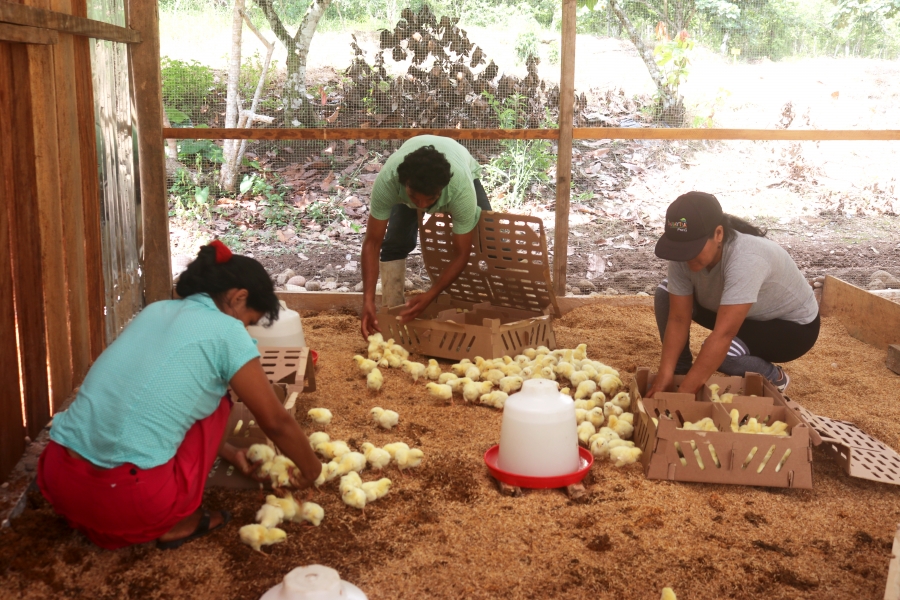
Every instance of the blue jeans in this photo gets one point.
(403, 227)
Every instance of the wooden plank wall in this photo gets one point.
(51, 284)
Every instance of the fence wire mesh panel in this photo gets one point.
(302, 205)
(117, 158)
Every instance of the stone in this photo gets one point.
(575, 291)
(377, 289)
(586, 286)
(342, 289)
(331, 280)
(817, 284)
(297, 280)
(329, 271)
(611, 292)
(876, 284)
(408, 285)
(313, 286)
(329, 285)
(651, 289)
(644, 294)
(358, 288)
(283, 277)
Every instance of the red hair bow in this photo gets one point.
(223, 254)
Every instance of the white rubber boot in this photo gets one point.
(393, 278)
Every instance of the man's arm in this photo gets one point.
(728, 321)
(371, 250)
(462, 244)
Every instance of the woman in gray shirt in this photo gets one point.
(726, 276)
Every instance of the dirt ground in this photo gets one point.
(445, 532)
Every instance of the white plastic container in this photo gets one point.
(539, 434)
(286, 331)
(315, 582)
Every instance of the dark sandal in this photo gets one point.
(202, 529)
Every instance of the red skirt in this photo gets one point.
(128, 505)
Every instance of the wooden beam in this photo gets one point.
(49, 204)
(12, 430)
(25, 249)
(324, 301)
(90, 189)
(564, 150)
(578, 133)
(365, 133)
(144, 16)
(868, 318)
(47, 19)
(27, 35)
(641, 133)
(72, 199)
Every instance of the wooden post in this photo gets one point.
(90, 189)
(564, 148)
(143, 16)
(72, 206)
(12, 432)
(25, 250)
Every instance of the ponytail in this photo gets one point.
(731, 223)
(214, 272)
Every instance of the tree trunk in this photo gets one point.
(671, 108)
(297, 108)
(232, 101)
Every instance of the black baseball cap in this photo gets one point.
(690, 220)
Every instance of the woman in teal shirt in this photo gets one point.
(128, 461)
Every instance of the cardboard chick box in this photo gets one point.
(669, 451)
(502, 302)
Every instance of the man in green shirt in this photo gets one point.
(428, 173)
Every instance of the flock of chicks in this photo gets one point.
(343, 462)
(604, 425)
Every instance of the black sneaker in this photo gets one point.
(785, 378)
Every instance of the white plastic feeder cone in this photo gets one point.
(314, 582)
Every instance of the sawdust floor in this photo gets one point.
(445, 532)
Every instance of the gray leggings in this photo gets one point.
(775, 340)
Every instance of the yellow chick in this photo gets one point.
(565, 369)
(459, 369)
(622, 428)
(586, 404)
(322, 416)
(414, 369)
(355, 497)
(471, 391)
(610, 384)
(334, 470)
(530, 353)
(622, 400)
(595, 416)
(288, 506)
(577, 378)
(392, 449)
(752, 426)
(585, 430)
(590, 371)
(735, 419)
(331, 450)
(580, 352)
(279, 472)
(269, 515)
(394, 360)
(352, 461)
(778, 428)
(585, 389)
(316, 438)
(258, 452)
(264, 469)
(458, 384)
(727, 398)
(322, 478)
(473, 373)
(385, 418)
(565, 391)
(446, 378)
(511, 369)
(443, 392)
(433, 370)
(510, 384)
(622, 455)
(495, 399)
(365, 365)
(350, 480)
(668, 594)
(377, 458)
(257, 536)
(376, 490)
(312, 513)
(374, 380)
(409, 459)
(376, 346)
(611, 409)
(714, 392)
(397, 349)
(627, 417)
(598, 398)
(494, 376)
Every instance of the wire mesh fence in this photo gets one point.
(490, 65)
